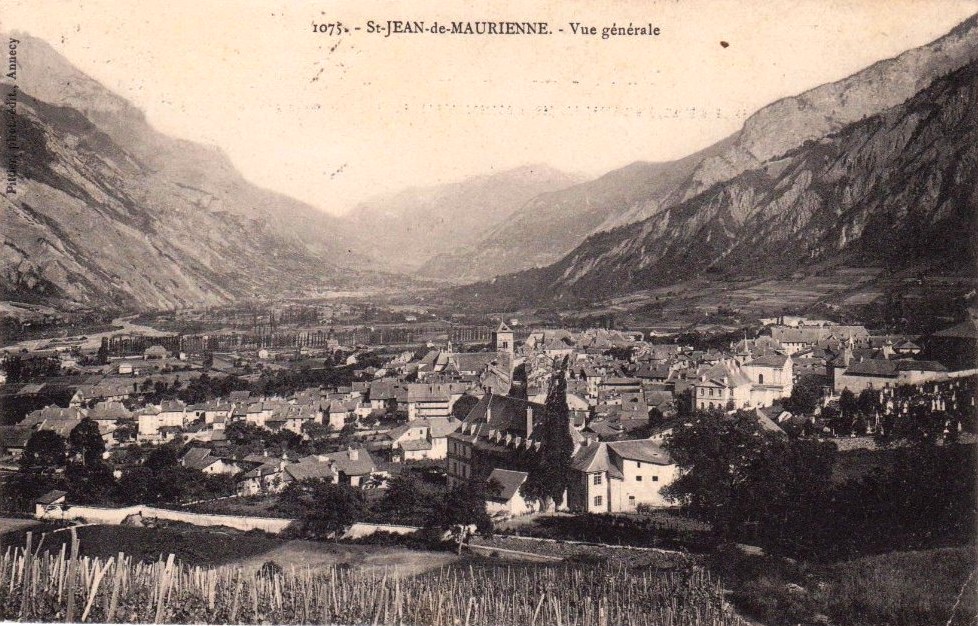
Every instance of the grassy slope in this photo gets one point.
(894, 589)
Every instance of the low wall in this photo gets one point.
(105, 515)
(361, 529)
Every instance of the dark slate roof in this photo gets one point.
(921, 366)
(769, 360)
(14, 436)
(310, 468)
(504, 413)
(51, 497)
(510, 482)
(198, 458)
(640, 450)
(873, 367)
(967, 329)
(594, 458)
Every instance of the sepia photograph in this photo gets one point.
(489, 312)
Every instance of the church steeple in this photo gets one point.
(504, 339)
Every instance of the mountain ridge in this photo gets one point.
(769, 132)
(413, 225)
(899, 189)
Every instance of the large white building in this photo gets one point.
(758, 383)
(619, 476)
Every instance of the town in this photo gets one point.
(263, 411)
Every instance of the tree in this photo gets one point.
(162, 458)
(14, 367)
(868, 402)
(548, 478)
(805, 396)
(138, 485)
(684, 403)
(102, 356)
(745, 481)
(324, 509)
(406, 502)
(848, 404)
(45, 452)
(462, 508)
(655, 417)
(85, 443)
(90, 483)
(315, 430)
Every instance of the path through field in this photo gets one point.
(8, 524)
(315, 556)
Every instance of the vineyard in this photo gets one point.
(65, 587)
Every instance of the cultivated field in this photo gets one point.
(66, 587)
(315, 556)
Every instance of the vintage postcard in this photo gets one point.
(489, 313)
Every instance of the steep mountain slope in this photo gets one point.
(410, 227)
(109, 212)
(203, 170)
(552, 225)
(899, 189)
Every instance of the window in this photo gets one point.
(638, 478)
(597, 479)
(639, 463)
(760, 379)
(598, 500)
(711, 392)
(655, 479)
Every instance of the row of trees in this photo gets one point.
(325, 509)
(758, 486)
(77, 466)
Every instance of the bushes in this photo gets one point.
(660, 530)
(424, 539)
(897, 589)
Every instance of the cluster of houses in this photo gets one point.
(480, 413)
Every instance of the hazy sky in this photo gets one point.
(333, 120)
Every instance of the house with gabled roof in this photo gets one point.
(422, 439)
(13, 440)
(204, 460)
(619, 476)
(503, 497)
(496, 433)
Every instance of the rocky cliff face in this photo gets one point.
(552, 225)
(899, 189)
(410, 227)
(109, 212)
(47, 76)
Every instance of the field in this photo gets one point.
(896, 589)
(64, 586)
(318, 557)
(188, 544)
(12, 524)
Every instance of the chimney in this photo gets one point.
(529, 421)
(354, 454)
